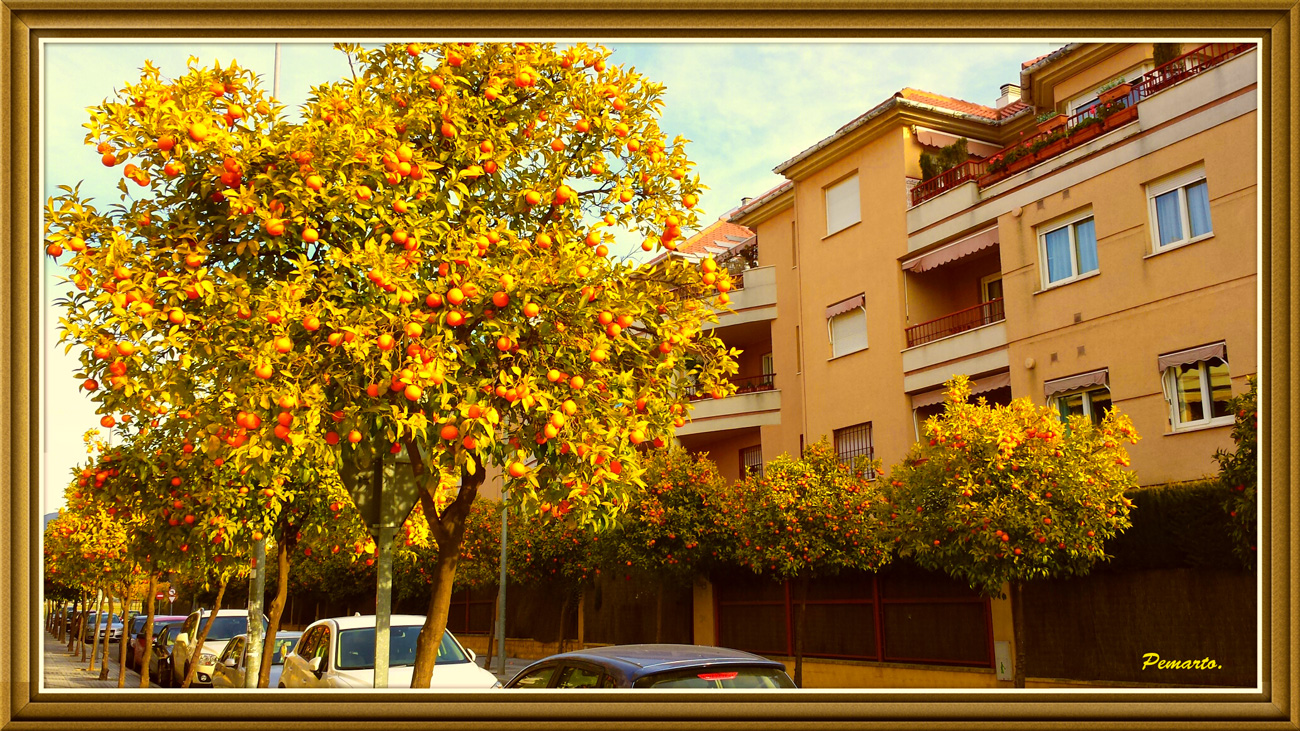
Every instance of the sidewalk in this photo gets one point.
(67, 671)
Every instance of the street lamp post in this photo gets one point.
(501, 588)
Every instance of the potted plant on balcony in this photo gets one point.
(1018, 158)
(1114, 89)
(1050, 120)
(1116, 113)
(1087, 128)
(1048, 146)
(997, 170)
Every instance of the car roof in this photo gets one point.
(281, 635)
(368, 621)
(638, 660)
(220, 613)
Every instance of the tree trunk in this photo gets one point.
(74, 626)
(277, 609)
(93, 628)
(192, 662)
(448, 529)
(107, 624)
(148, 630)
(564, 615)
(1018, 632)
(121, 641)
(800, 622)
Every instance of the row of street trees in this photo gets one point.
(422, 262)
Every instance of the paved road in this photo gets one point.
(67, 671)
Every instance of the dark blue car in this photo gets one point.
(654, 666)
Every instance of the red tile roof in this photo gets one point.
(958, 105)
(760, 200)
(1033, 61)
(720, 234)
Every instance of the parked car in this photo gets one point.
(97, 622)
(233, 660)
(160, 670)
(654, 666)
(340, 653)
(226, 624)
(135, 647)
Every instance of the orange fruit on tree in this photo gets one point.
(413, 393)
(354, 436)
(198, 131)
(449, 432)
(385, 342)
(283, 345)
(262, 371)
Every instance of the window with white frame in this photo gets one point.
(1068, 249)
(846, 323)
(1179, 209)
(843, 205)
(1197, 386)
(1093, 403)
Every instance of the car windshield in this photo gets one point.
(723, 678)
(357, 648)
(102, 618)
(171, 636)
(223, 628)
(283, 646)
(137, 624)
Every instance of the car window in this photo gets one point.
(538, 678)
(576, 676)
(283, 646)
(304, 648)
(714, 678)
(608, 682)
(188, 627)
(224, 628)
(228, 651)
(357, 648)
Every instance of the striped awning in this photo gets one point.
(1193, 355)
(1074, 383)
(982, 385)
(839, 308)
(956, 250)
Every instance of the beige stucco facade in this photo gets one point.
(1140, 303)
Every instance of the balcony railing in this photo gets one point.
(1081, 126)
(970, 318)
(752, 384)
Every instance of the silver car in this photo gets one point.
(231, 664)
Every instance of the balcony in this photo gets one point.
(753, 298)
(970, 318)
(756, 403)
(1080, 128)
(765, 382)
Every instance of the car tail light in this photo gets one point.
(718, 676)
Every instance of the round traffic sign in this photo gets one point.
(171, 594)
(159, 595)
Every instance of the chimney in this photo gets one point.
(745, 201)
(1010, 93)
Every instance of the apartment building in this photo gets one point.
(1102, 258)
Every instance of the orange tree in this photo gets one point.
(1001, 495)
(806, 518)
(556, 551)
(670, 533)
(424, 259)
(1239, 474)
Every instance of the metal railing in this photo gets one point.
(985, 313)
(751, 384)
(1196, 61)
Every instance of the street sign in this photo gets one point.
(384, 490)
(159, 596)
(171, 595)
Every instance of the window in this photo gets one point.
(539, 678)
(798, 351)
(843, 205)
(1179, 210)
(1093, 403)
(1068, 251)
(853, 442)
(578, 677)
(751, 460)
(1197, 386)
(846, 322)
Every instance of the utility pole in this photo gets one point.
(501, 586)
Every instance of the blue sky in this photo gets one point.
(747, 107)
